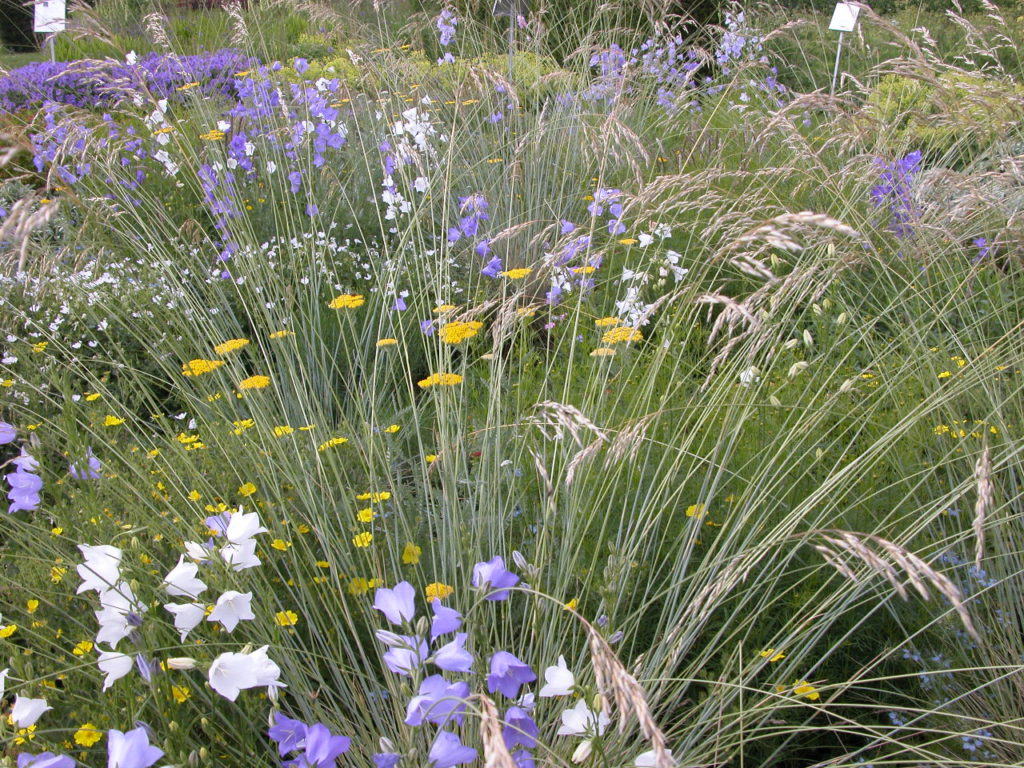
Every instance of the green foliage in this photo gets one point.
(738, 492)
(958, 112)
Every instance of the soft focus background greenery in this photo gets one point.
(814, 448)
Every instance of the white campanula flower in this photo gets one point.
(183, 581)
(114, 665)
(231, 673)
(558, 680)
(26, 712)
(243, 526)
(187, 616)
(581, 720)
(197, 551)
(646, 759)
(232, 607)
(240, 556)
(101, 569)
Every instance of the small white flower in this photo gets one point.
(559, 680)
(101, 569)
(114, 665)
(187, 616)
(196, 551)
(183, 581)
(240, 556)
(581, 720)
(231, 673)
(646, 759)
(243, 526)
(26, 711)
(232, 607)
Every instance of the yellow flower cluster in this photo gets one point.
(347, 301)
(254, 382)
(458, 331)
(230, 345)
(623, 333)
(440, 380)
(437, 591)
(331, 443)
(516, 274)
(200, 366)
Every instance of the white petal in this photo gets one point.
(26, 711)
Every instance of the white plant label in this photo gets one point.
(50, 16)
(844, 18)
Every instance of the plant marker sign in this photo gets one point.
(844, 19)
(50, 16)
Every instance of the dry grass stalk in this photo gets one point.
(239, 29)
(581, 457)
(629, 438)
(616, 683)
(496, 754)
(983, 479)
(557, 419)
(919, 573)
(545, 476)
(21, 222)
(156, 26)
(776, 231)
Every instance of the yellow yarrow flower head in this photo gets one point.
(516, 274)
(440, 380)
(254, 382)
(437, 591)
(87, 735)
(605, 322)
(387, 342)
(411, 554)
(602, 352)
(347, 301)
(230, 346)
(200, 366)
(623, 333)
(457, 331)
(281, 334)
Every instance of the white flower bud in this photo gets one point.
(181, 663)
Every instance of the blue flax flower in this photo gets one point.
(492, 575)
(508, 674)
(448, 751)
(131, 749)
(396, 604)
